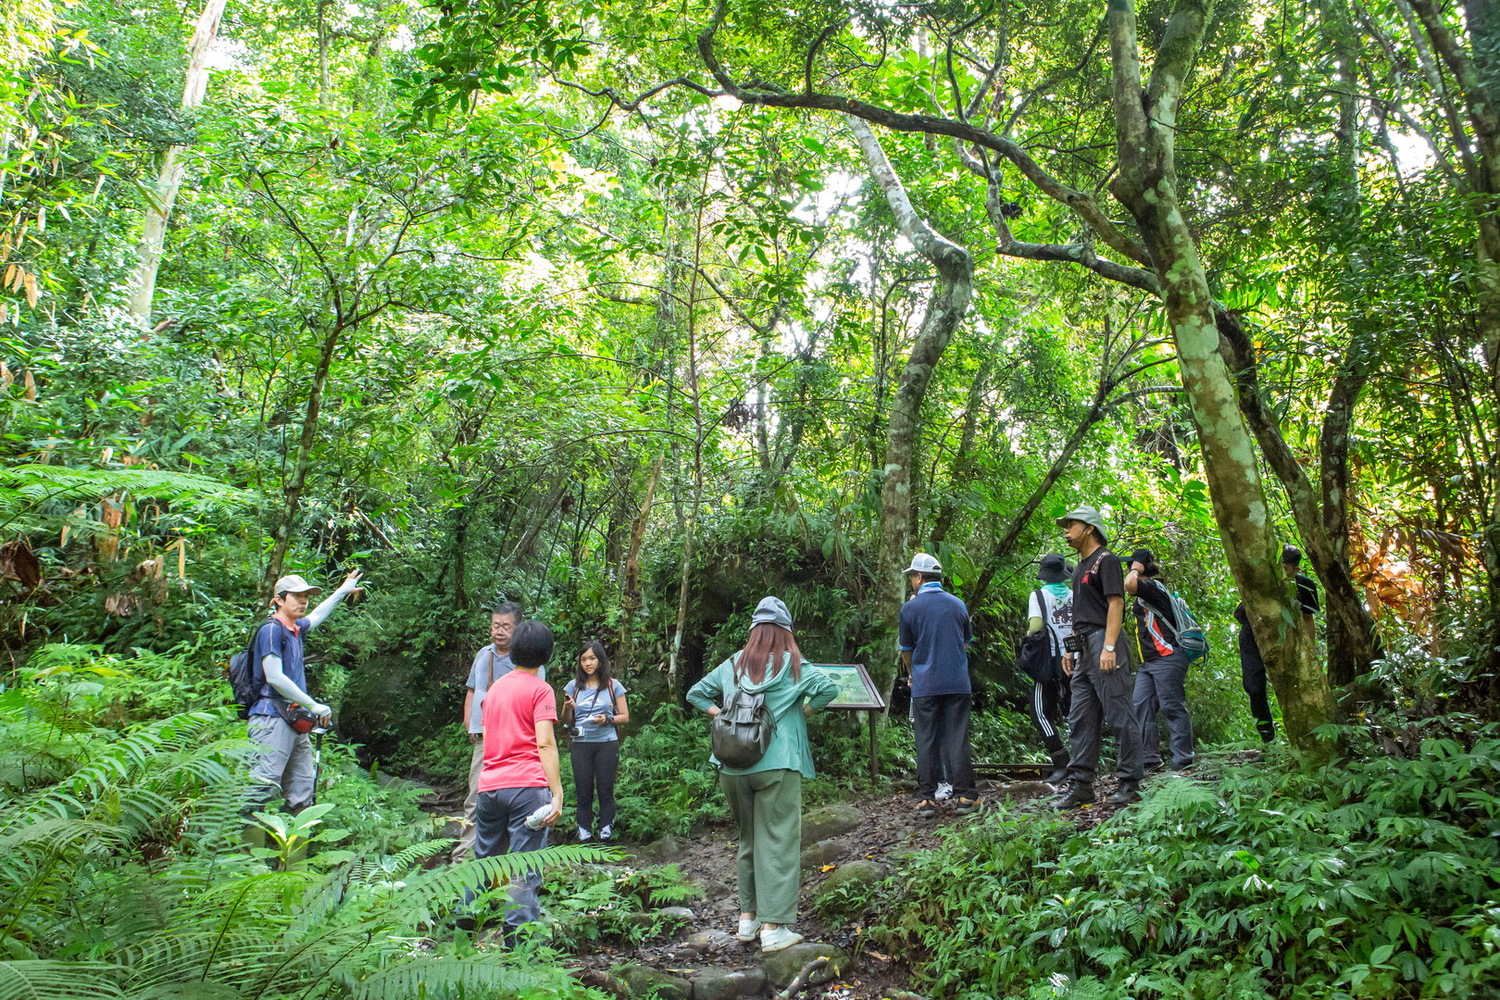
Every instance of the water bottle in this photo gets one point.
(534, 821)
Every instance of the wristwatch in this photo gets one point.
(1108, 648)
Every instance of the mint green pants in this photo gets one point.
(767, 805)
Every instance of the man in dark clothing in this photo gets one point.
(1100, 675)
(935, 637)
(1252, 667)
(1164, 666)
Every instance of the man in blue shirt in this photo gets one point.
(284, 761)
(935, 637)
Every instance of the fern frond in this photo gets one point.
(60, 834)
(236, 958)
(26, 490)
(442, 886)
(42, 980)
(437, 978)
(402, 862)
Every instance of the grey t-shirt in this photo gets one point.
(590, 702)
(488, 667)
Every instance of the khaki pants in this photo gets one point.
(767, 806)
(476, 763)
(283, 765)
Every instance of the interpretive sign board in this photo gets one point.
(857, 693)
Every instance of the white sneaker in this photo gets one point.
(748, 930)
(944, 791)
(607, 833)
(778, 938)
(584, 836)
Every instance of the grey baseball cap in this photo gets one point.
(1088, 515)
(771, 610)
(924, 563)
(295, 585)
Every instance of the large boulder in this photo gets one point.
(829, 821)
(782, 966)
(824, 852)
(660, 852)
(729, 984)
(642, 979)
(860, 873)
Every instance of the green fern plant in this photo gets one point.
(35, 497)
(121, 875)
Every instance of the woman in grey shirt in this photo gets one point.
(597, 702)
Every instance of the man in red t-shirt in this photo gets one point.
(520, 774)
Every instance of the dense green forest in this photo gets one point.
(634, 313)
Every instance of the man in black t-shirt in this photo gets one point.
(1159, 683)
(1252, 667)
(1099, 671)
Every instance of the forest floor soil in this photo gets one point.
(886, 831)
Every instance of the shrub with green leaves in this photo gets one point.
(594, 904)
(1374, 879)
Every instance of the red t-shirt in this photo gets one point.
(512, 707)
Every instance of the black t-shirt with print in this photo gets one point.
(1097, 578)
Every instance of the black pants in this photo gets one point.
(1253, 678)
(941, 726)
(1049, 704)
(595, 766)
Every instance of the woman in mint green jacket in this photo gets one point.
(766, 798)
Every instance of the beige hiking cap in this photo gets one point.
(295, 585)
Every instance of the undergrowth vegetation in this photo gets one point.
(1374, 879)
(123, 874)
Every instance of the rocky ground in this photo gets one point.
(863, 839)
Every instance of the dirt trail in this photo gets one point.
(887, 831)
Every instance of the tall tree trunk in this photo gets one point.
(297, 482)
(1022, 516)
(946, 308)
(1145, 122)
(1477, 72)
(675, 686)
(173, 166)
(630, 573)
(961, 472)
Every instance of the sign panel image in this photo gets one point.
(856, 691)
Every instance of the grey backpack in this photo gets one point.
(742, 730)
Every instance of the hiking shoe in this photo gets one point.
(608, 833)
(926, 809)
(584, 836)
(1127, 793)
(944, 791)
(1059, 772)
(778, 938)
(966, 806)
(748, 931)
(1182, 770)
(1078, 795)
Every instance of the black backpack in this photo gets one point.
(1036, 657)
(242, 677)
(742, 730)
